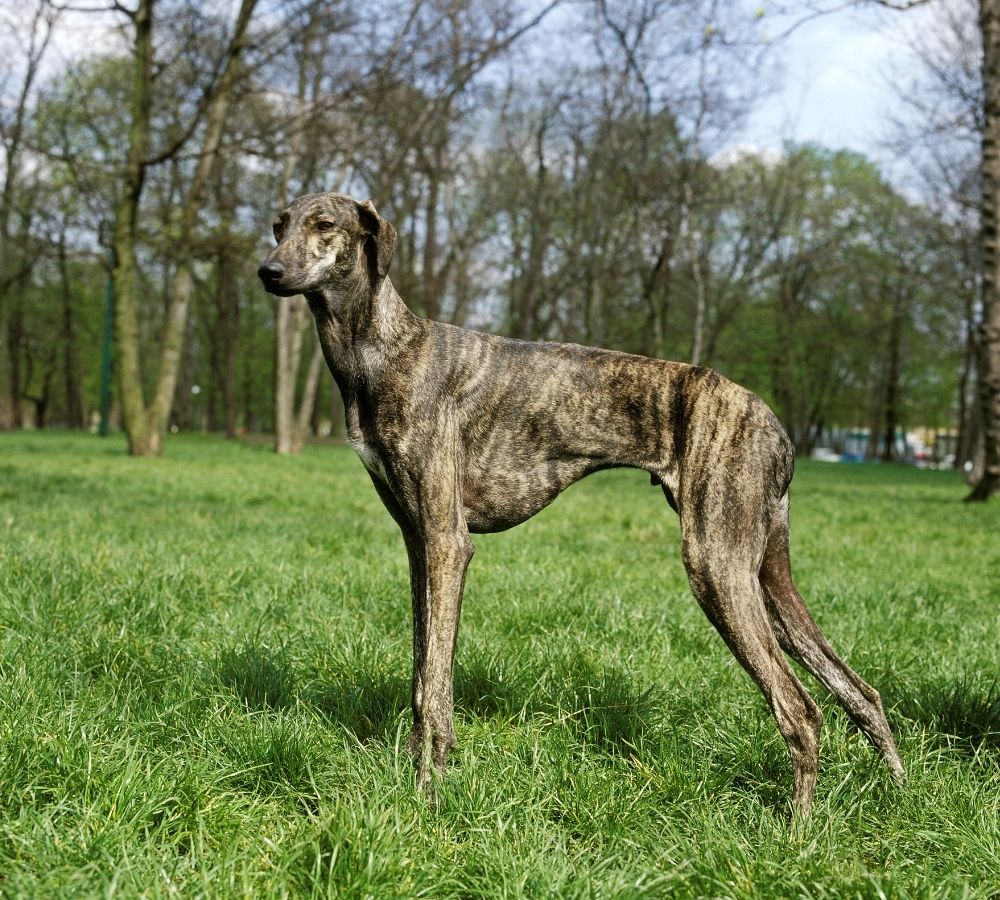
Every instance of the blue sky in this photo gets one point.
(835, 88)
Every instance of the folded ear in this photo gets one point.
(382, 233)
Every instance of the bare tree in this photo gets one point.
(955, 84)
(989, 329)
(675, 84)
(145, 424)
(937, 128)
(15, 212)
(291, 314)
(72, 370)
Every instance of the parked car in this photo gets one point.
(825, 454)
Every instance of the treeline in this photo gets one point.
(563, 172)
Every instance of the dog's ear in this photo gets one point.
(383, 236)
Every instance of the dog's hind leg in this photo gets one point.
(727, 587)
(800, 638)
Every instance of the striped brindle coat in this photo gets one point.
(468, 432)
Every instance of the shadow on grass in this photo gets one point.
(769, 784)
(262, 678)
(367, 703)
(963, 712)
(604, 710)
(357, 694)
(603, 707)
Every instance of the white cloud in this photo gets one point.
(735, 153)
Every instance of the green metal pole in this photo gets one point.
(109, 318)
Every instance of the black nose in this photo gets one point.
(270, 271)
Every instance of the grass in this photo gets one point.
(204, 663)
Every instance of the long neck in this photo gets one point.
(361, 329)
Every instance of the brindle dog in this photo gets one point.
(468, 432)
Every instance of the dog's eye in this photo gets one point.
(325, 226)
(276, 228)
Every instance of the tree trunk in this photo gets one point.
(875, 412)
(134, 420)
(989, 330)
(224, 327)
(146, 426)
(75, 416)
(977, 456)
(229, 368)
(966, 412)
(694, 248)
(655, 294)
(41, 400)
(891, 396)
(15, 337)
(782, 365)
(304, 418)
(291, 314)
(429, 287)
(531, 283)
(292, 428)
(291, 424)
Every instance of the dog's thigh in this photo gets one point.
(724, 532)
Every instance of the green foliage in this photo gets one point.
(595, 197)
(815, 332)
(205, 662)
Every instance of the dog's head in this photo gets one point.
(325, 240)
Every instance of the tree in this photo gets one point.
(938, 129)
(989, 329)
(291, 314)
(146, 425)
(16, 207)
(583, 200)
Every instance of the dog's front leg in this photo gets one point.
(439, 549)
(446, 556)
(418, 598)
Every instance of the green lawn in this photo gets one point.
(204, 663)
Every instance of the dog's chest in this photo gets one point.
(356, 438)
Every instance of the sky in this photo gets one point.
(836, 87)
